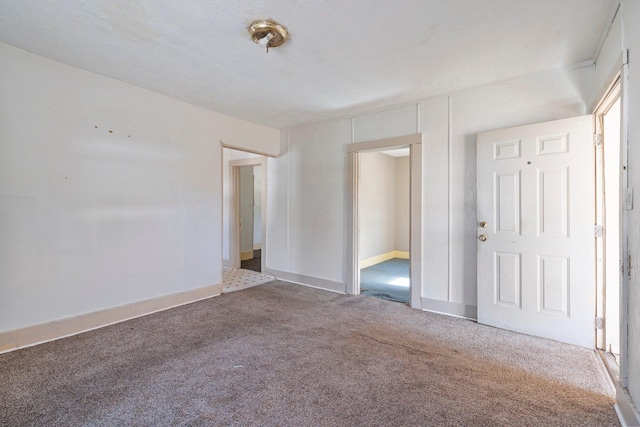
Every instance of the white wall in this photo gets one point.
(308, 208)
(377, 200)
(402, 204)
(608, 56)
(110, 194)
(383, 204)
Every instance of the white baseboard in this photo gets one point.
(450, 308)
(257, 246)
(314, 282)
(382, 258)
(244, 256)
(38, 334)
(627, 411)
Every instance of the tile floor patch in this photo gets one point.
(236, 279)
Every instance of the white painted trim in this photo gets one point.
(382, 258)
(624, 231)
(379, 144)
(234, 216)
(313, 282)
(610, 92)
(257, 246)
(628, 413)
(450, 308)
(353, 272)
(44, 332)
(368, 262)
(260, 153)
(414, 141)
(246, 255)
(602, 106)
(415, 224)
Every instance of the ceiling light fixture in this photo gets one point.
(267, 33)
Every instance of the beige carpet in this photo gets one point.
(286, 355)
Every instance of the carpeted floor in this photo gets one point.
(254, 263)
(281, 354)
(387, 280)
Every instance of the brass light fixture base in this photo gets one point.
(260, 29)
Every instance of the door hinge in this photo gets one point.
(597, 139)
(597, 230)
(599, 323)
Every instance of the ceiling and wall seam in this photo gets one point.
(209, 59)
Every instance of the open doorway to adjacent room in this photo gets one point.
(373, 205)
(244, 210)
(383, 200)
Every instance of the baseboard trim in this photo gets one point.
(627, 411)
(364, 263)
(257, 246)
(247, 255)
(382, 258)
(313, 282)
(44, 332)
(450, 308)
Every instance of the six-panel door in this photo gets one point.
(536, 255)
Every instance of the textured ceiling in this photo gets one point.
(344, 56)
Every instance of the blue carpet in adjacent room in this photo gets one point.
(387, 280)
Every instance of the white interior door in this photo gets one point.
(536, 268)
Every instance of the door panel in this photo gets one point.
(536, 210)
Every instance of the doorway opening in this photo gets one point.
(366, 207)
(383, 200)
(244, 210)
(609, 210)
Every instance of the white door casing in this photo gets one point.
(414, 142)
(536, 268)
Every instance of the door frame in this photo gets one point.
(234, 208)
(414, 142)
(620, 72)
(613, 93)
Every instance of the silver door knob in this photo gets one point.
(482, 237)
